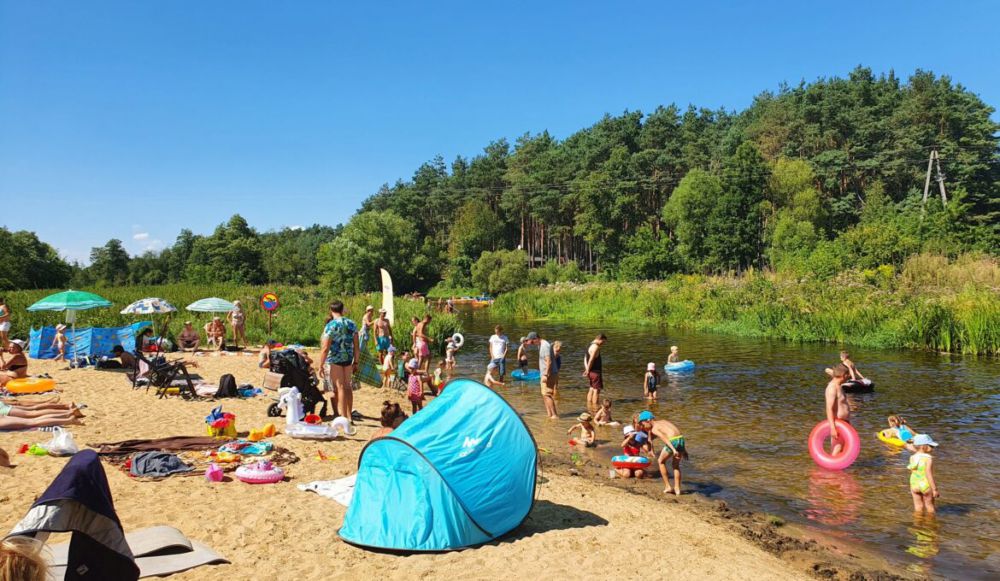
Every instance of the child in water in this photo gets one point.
(588, 436)
(522, 356)
(674, 356)
(59, 342)
(845, 358)
(899, 429)
(491, 380)
(603, 415)
(651, 381)
(921, 467)
(449, 355)
(415, 385)
(438, 381)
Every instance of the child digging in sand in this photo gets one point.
(588, 437)
(603, 415)
(635, 443)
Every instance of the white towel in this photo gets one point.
(341, 490)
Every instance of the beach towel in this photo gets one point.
(368, 369)
(79, 502)
(158, 551)
(157, 465)
(340, 490)
(169, 444)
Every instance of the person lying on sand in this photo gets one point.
(16, 418)
(588, 437)
(674, 448)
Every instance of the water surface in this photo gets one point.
(746, 412)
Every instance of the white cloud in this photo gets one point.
(140, 236)
(154, 245)
(296, 227)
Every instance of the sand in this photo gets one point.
(578, 526)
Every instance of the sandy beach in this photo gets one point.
(579, 524)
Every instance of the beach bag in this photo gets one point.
(62, 443)
(227, 386)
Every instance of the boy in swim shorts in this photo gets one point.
(674, 448)
(588, 436)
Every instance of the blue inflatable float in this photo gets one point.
(679, 367)
(529, 375)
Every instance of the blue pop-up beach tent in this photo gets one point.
(459, 473)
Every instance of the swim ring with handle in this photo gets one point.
(458, 339)
(30, 385)
(887, 439)
(261, 472)
(848, 454)
(679, 367)
(630, 462)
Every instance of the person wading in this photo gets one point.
(593, 370)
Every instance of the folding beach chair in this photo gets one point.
(163, 375)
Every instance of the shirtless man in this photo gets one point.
(189, 338)
(593, 370)
(852, 369)
(383, 335)
(674, 448)
(365, 332)
(836, 403)
(422, 343)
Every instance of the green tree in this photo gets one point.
(109, 263)
(501, 271)
(735, 229)
(370, 241)
(29, 263)
(687, 212)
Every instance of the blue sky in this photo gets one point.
(133, 120)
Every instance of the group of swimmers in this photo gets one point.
(923, 488)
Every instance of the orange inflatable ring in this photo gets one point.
(30, 385)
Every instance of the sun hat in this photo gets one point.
(924, 440)
(412, 363)
(646, 416)
(650, 366)
(532, 336)
(18, 342)
(584, 417)
(627, 430)
(187, 322)
(382, 310)
(491, 365)
(641, 437)
(369, 308)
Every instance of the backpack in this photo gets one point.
(227, 386)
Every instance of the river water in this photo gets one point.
(747, 410)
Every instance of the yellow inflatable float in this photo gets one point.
(887, 439)
(30, 385)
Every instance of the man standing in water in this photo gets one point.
(548, 370)
(593, 370)
(836, 403)
(498, 350)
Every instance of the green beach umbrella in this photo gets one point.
(71, 301)
(211, 305)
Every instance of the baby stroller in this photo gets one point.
(295, 372)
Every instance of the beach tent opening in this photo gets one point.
(457, 474)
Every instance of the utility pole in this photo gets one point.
(933, 163)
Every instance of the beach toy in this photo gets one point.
(256, 435)
(22, 449)
(679, 367)
(847, 456)
(213, 473)
(261, 472)
(858, 386)
(343, 426)
(30, 385)
(458, 340)
(37, 450)
(221, 424)
(630, 462)
(227, 457)
(323, 457)
(291, 402)
(303, 431)
(887, 439)
(270, 430)
(529, 375)
(313, 419)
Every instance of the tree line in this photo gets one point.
(812, 179)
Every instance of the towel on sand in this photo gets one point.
(157, 464)
(341, 490)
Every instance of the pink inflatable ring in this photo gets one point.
(262, 472)
(848, 454)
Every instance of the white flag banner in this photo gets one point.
(390, 312)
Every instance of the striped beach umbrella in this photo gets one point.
(211, 305)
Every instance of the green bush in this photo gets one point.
(501, 271)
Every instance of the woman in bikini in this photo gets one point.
(4, 323)
(17, 366)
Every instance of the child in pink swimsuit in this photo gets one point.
(415, 386)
